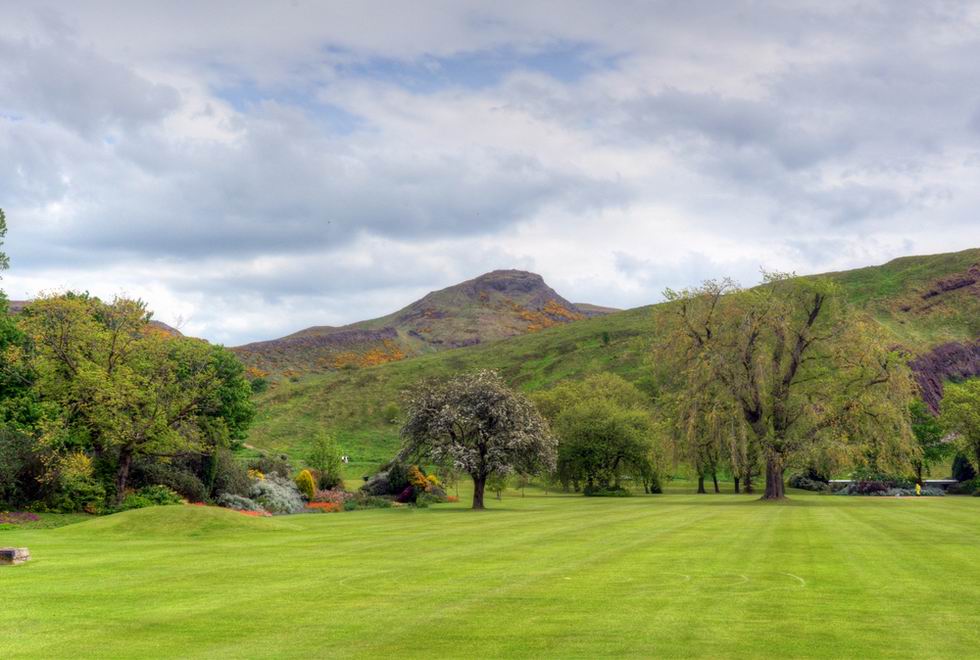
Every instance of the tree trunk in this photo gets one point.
(918, 474)
(122, 473)
(736, 485)
(748, 483)
(714, 478)
(701, 489)
(775, 490)
(479, 485)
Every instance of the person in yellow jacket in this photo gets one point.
(918, 489)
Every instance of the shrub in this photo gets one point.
(160, 495)
(269, 465)
(398, 478)
(804, 482)
(186, 484)
(79, 494)
(305, 485)
(963, 469)
(239, 503)
(971, 487)
(147, 497)
(425, 499)
(325, 507)
(335, 495)
(324, 458)
(407, 495)
(229, 474)
(277, 495)
(365, 501)
(417, 479)
(602, 491)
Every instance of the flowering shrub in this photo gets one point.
(17, 517)
(325, 507)
(305, 484)
(256, 475)
(417, 479)
(433, 480)
(335, 495)
(239, 503)
(277, 495)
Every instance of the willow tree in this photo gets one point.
(800, 368)
(478, 425)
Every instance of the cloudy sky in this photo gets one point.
(252, 168)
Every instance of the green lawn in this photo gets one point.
(557, 576)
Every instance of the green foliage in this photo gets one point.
(116, 387)
(803, 371)
(324, 458)
(305, 484)
(960, 414)
(605, 430)
(929, 436)
(228, 474)
(147, 497)
(963, 468)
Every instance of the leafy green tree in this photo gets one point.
(324, 457)
(929, 434)
(481, 426)
(605, 431)
(960, 414)
(800, 367)
(126, 390)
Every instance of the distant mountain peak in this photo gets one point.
(490, 307)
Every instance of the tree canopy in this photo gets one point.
(804, 372)
(606, 430)
(960, 414)
(113, 387)
(476, 424)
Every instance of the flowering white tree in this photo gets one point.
(478, 425)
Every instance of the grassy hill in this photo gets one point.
(494, 306)
(924, 301)
(675, 575)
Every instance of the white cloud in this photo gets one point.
(254, 168)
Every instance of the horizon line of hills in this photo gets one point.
(925, 300)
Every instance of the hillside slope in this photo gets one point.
(494, 306)
(926, 302)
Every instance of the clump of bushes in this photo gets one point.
(239, 503)
(405, 483)
(970, 487)
(148, 496)
(606, 491)
(806, 482)
(269, 465)
(277, 494)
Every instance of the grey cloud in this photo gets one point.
(59, 81)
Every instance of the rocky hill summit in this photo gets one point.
(493, 306)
